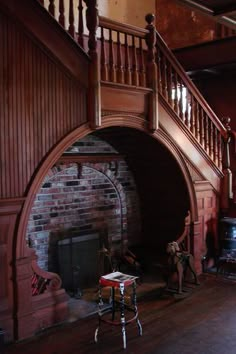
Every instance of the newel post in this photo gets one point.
(152, 72)
(226, 189)
(94, 91)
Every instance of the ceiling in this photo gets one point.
(223, 11)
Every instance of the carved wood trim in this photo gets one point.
(70, 158)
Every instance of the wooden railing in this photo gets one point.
(186, 101)
(130, 55)
(73, 23)
(122, 53)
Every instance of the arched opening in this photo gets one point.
(128, 183)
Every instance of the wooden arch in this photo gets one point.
(120, 120)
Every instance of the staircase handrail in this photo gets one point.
(181, 72)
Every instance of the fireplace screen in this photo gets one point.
(78, 259)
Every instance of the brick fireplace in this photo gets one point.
(74, 205)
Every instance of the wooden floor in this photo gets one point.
(201, 322)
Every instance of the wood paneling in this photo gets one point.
(207, 202)
(40, 103)
(9, 209)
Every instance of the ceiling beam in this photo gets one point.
(196, 6)
(221, 18)
(224, 10)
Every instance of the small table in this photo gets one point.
(118, 280)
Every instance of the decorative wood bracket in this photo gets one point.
(152, 72)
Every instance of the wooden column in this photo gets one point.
(9, 211)
(94, 91)
(152, 72)
(226, 190)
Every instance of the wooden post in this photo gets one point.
(94, 91)
(226, 192)
(152, 72)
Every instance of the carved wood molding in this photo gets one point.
(11, 206)
(70, 158)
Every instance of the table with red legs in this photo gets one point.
(107, 314)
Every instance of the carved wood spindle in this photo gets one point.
(202, 130)
(112, 70)
(169, 83)
(142, 76)
(197, 122)
(71, 29)
(135, 81)
(104, 69)
(193, 116)
(187, 106)
(51, 7)
(152, 78)
(220, 146)
(120, 70)
(127, 62)
(62, 13)
(159, 71)
(207, 133)
(94, 91)
(164, 77)
(81, 25)
(215, 145)
(176, 88)
(181, 111)
(211, 138)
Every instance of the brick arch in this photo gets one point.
(121, 196)
(59, 219)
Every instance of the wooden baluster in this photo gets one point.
(159, 71)
(181, 112)
(215, 145)
(176, 104)
(120, 70)
(202, 131)
(51, 7)
(112, 71)
(142, 77)
(169, 84)
(197, 122)
(211, 137)
(104, 69)
(152, 78)
(71, 29)
(135, 81)
(94, 91)
(192, 114)
(207, 133)
(62, 13)
(81, 25)
(127, 62)
(220, 145)
(164, 77)
(187, 107)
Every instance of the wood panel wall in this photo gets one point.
(40, 103)
(206, 236)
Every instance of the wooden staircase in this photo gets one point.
(120, 72)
